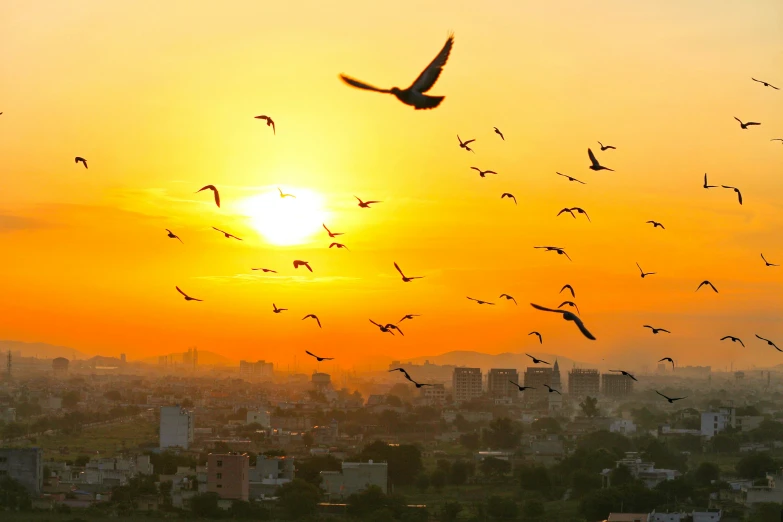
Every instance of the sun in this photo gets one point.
(286, 221)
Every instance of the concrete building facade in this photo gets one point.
(24, 465)
(228, 475)
(434, 395)
(498, 384)
(354, 478)
(176, 427)
(616, 385)
(536, 378)
(466, 384)
(584, 383)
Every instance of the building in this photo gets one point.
(24, 466)
(433, 395)
(228, 475)
(259, 417)
(466, 384)
(537, 378)
(60, 365)
(256, 370)
(498, 384)
(584, 383)
(644, 471)
(628, 517)
(616, 385)
(714, 422)
(190, 359)
(693, 372)
(176, 427)
(354, 478)
(278, 468)
(555, 399)
(321, 381)
(624, 426)
(123, 359)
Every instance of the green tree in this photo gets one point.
(590, 407)
(471, 441)
(615, 443)
(113, 395)
(755, 465)
(706, 473)
(438, 479)
(503, 433)
(533, 509)
(422, 482)
(583, 482)
(621, 476)
(360, 505)
(461, 471)
(14, 496)
(768, 430)
(307, 440)
(205, 505)
(502, 508)
(546, 425)
(81, 461)
(598, 504)
(298, 498)
(450, 511)
(722, 443)
(71, 399)
(535, 478)
(310, 469)
(393, 400)
(494, 468)
(404, 461)
(766, 512)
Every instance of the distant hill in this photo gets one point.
(486, 361)
(204, 358)
(41, 350)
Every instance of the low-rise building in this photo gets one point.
(228, 475)
(354, 478)
(24, 465)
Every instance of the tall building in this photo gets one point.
(321, 381)
(228, 475)
(60, 365)
(190, 359)
(176, 427)
(434, 395)
(23, 465)
(498, 384)
(123, 359)
(583, 383)
(555, 399)
(537, 377)
(466, 384)
(713, 422)
(616, 385)
(256, 370)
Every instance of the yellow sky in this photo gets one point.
(160, 98)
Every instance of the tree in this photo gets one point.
(766, 512)
(403, 391)
(360, 505)
(755, 465)
(438, 479)
(706, 473)
(583, 482)
(590, 407)
(535, 478)
(614, 442)
(768, 430)
(14, 496)
(307, 440)
(724, 444)
(503, 434)
(547, 425)
(113, 395)
(81, 461)
(494, 468)
(663, 457)
(393, 400)
(404, 460)
(205, 505)
(598, 504)
(621, 476)
(533, 509)
(310, 469)
(422, 482)
(471, 441)
(461, 470)
(71, 399)
(298, 498)
(502, 508)
(450, 511)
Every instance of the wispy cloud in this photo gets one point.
(10, 223)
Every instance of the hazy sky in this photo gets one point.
(160, 98)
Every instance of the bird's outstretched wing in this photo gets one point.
(430, 75)
(592, 158)
(360, 85)
(739, 120)
(398, 269)
(583, 329)
(311, 354)
(545, 309)
(186, 295)
(662, 395)
(468, 141)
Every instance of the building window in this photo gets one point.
(220, 486)
(220, 463)
(220, 475)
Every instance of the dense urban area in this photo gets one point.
(104, 437)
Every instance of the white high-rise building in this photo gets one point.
(176, 427)
(466, 384)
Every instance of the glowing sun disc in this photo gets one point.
(286, 221)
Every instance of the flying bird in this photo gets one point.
(767, 263)
(79, 159)
(298, 263)
(656, 330)
(508, 298)
(508, 195)
(483, 173)
(265, 270)
(735, 189)
(540, 339)
(644, 274)
(479, 301)
(570, 178)
(626, 374)
(668, 359)
(332, 234)
(568, 316)
(745, 125)
(605, 147)
(277, 310)
(594, 165)
(733, 339)
(568, 287)
(536, 361)
(551, 390)
(708, 284)
(755, 80)
(569, 303)
(366, 204)
(172, 235)
(319, 359)
(384, 329)
(408, 316)
(655, 224)
(339, 245)
(670, 399)
(213, 189)
(705, 183)
(773, 139)
(497, 131)
(391, 326)
(521, 388)
(566, 210)
(464, 144)
(187, 297)
(769, 343)
(418, 384)
(282, 195)
(581, 211)
(413, 95)
(405, 279)
(398, 370)
(559, 250)
(313, 316)
(228, 236)
(269, 122)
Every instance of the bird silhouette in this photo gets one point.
(228, 236)
(563, 211)
(298, 263)
(508, 298)
(277, 310)
(626, 374)
(319, 359)
(414, 95)
(540, 339)
(605, 147)
(569, 303)
(656, 330)
(339, 245)
(497, 131)
(735, 189)
(464, 144)
(777, 139)
(559, 250)
(568, 287)
(187, 297)
(283, 195)
(417, 384)
(670, 399)
(705, 183)
(402, 370)
(594, 165)
(213, 189)
(668, 359)
(769, 343)
(483, 173)
(265, 270)
(79, 159)
(570, 178)
(408, 317)
(172, 235)
(581, 211)
(708, 284)
(733, 339)
(332, 234)
(568, 316)
(521, 388)
(479, 301)
(313, 316)
(537, 361)
(269, 122)
(644, 274)
(552, 390)
(391, 326)
(744, 126)
(655, 224)
(366, 204)
(406, 279)
(508, 195)
(382, 328)
(767, 263)
(755, 80)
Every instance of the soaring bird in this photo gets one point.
(552, 390)
(298, 263)
(521, 388)
(269, 122)
(708, 284)
(366, 204)
(408, 316)
(670, 399)
(413, 95)
(644, 274)
(497, 131)
(213, 189)
(668, 359)
(508, 195)
(313, 316)
(187, 297)
(277, 310)
(417, 384)
(569, 303)
(773, 139)
(566, 210)
(769, 343)
(537, 361)
(483, 173)
(540, 339)
(464, 144)
(172, 235)
(570, 178)
(339, 245)
(568, 287)
(332, 234)
(559, 250)
(228, 236)
(594, 165)
(755, 80)
(733, 339)
(391, 326)
(508, 298)
(79, 159)
(568, 316)
(655, 224)
(479, 301)
(405, 279)
(745, 125)
(402, 370)
(283, 195)
(581, 211)
(382, 328)
(266, 270)
(319, 359)
(705, 183)
(605, 147)
(767, 263)
(735, 189)
(656, 330)
(626, 374)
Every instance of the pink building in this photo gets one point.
(228, 475)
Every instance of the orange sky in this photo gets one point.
(160, 98)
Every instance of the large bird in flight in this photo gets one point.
(366, 204)
(570, 288)
(537, 361)
(187, 297)
(414, 95)
(540, 339)
(552, 390)
(479, 301)
(339, 245)
(775, 346)
(497, 131)
(284, 195)
(669, 359)
(656, 330)
(767, 263)
(670, 399)
(408, 317)
(313, 316)
(606, 147)
(733, 339)
(228, 236)
(277, 310)
(594, 165)
(483, 173)
(405, 279)
(703, 283)
(521, 388)
(568, 316)
(172, 235)
(656, 224)
(508, 298)
(570, 178)
(509, 195)
(266, 270)
(384, 329)
(744, 126)
(298, 263)
(571, 304)
(332, 234)
(465, 144)
(735, 189)
(626, 374)
(417, 384)
(559, 250)
(765, 84)
(705, 183)
(213, 189)
(79, 159)
(319, 359)
(644, 274)
(269, 122)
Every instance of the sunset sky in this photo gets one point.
(159, 97)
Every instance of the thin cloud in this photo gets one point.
(10, 223)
